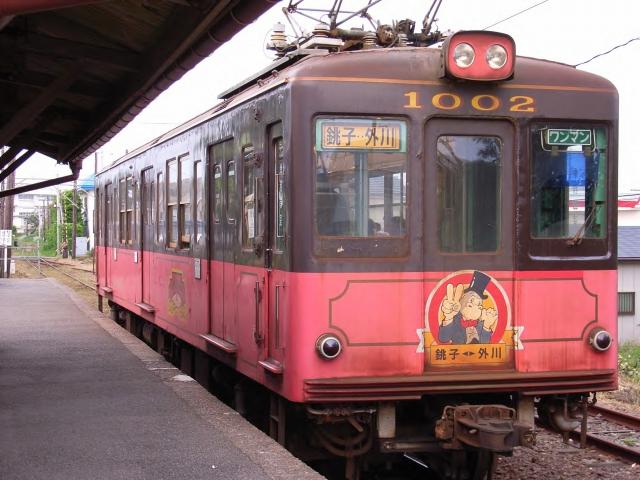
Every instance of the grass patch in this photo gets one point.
(629, 361)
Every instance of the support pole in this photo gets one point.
(74, 219)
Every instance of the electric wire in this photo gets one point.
(516, 14)
(608, 51)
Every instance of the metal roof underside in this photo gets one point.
(73, 73)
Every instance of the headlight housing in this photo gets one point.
(328, 346)
(479, 56)
(496, 56)
(464, 55)
(600, 339)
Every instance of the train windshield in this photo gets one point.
(361, 182)
(569, 181)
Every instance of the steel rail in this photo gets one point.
(602, 443)
(622, 418)
(50, 265)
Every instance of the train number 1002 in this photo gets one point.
(481, 103)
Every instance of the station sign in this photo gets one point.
(5, 238)
(568, 136)
(361, 134)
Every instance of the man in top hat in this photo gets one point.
(465, 318)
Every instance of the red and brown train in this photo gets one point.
(407, 249)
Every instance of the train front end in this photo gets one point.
(454, 265)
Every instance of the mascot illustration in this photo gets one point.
(465, 320)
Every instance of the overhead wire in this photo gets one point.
(516, 14)
(608, 51)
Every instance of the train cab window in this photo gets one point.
(468, 191)
(249, 204)
(172, 204)
(361, 182)
(185, 221)
(568, 182)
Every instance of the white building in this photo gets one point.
(628, 283)
(629, 210)
(27, 205)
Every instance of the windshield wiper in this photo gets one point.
(577, 238)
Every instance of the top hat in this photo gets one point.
(479, 282)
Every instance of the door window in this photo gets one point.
(468, 190)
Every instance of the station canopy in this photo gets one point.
(73, 73)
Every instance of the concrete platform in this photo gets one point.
(81, 398)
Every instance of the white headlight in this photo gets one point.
(496, 56)
(464, 55)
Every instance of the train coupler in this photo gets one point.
(489, 427)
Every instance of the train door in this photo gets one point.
(223, 234)
(108, 233)
(147, 237)
(251, 274)
(261, 280)
(275, 248)
(469, 231)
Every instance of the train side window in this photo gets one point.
(469, 193)
(172, 204)
(199, 230)
(185, 221)
(569, 182)
(280, 194)
(122, 200)
(108, 213)
(130, 228)
(217, 192)
(249, 200)
(231, 191)
(97, 231)
(160, 208)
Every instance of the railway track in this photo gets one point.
(615, 432)
(56, 266)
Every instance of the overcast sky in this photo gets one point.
(568, 31)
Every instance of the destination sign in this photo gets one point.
(361, 135)
(567, 136)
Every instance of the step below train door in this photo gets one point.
(469, 231)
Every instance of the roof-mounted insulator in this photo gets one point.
(278, 41)
(321, 39)
(402, 39)
(369, 40)
(321, 30)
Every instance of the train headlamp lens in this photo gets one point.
(600, 339)
(496, 56)
(464, 55)
(328, 346)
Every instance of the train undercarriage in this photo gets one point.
(455, 437)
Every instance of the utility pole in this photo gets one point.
(74, 219)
